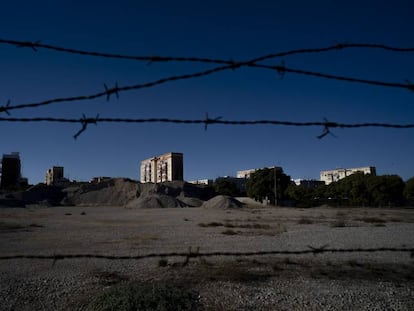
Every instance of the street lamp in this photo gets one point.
(275, 184)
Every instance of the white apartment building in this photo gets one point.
(339, 173)
(245, 173)
(166, 167)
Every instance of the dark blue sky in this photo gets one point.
(238, 30)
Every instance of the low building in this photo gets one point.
(10, 170)
(247, 173)
(204, 182)
(166, 167)
(54, 175)
(340, 173)
(99, 179)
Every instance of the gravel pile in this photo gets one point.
(155, 201)
(222, 202)
(113, 192)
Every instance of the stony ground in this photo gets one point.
(352, 281)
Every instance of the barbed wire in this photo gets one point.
(197, 254)
(326, 124)
(229, 65)
(281, 69)
(34, 45)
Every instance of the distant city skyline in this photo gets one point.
(171, 166)
(226, 30)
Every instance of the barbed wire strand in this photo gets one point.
(329, 124)
(280, 69)
(326, 124)
(34, 45)
(190, 254)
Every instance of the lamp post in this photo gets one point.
(275, 184)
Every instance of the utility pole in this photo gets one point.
(275, 186)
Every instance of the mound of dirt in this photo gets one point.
(155, 201)
(49, 195)
(222, 202)
(170, 194)
(190, 202)
(5, 202)
(117, 192)
(176, 189)
(112, 192)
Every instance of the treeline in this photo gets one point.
(355, 190)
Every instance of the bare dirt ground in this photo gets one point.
(353, 281)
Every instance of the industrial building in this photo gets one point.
(340, 173)
(10, 170)
(54, 175)
(166, 167)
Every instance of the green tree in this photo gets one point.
(386, 190)
(353, 190)
(409, 191)
(226, 187)
(367, 190)
(304, 196)
(261, 184)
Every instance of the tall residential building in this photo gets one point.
(166, 167)
(54, 175)
(340, 173)
(10, 170)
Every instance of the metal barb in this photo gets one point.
(234, 64)
(281, 69)
(85, 121)
(208, 121)
(189, 255)
(326, 129)
(154, 59)
(318, 250)
(28, 44)
(56, 258)
(5, 108)
(109, 91)
(410, 85)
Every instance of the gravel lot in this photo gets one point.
(352, 281)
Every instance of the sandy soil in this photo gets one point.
(326, 281)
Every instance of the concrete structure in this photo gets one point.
(10, 170)
(340, 173)
(99, 179)
(166, 167)
(54, 175)
(247, 173)
(204, 182)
